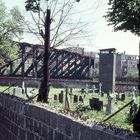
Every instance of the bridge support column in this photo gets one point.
(107, 69)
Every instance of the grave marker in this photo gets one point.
(55, 97)
(109, 108)
(17, 91)
(61, 95)
(75, 100)
(81, 99)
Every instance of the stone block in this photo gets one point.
(30, 136)
(50, 134)
(47, 117)
(53, 120)
(75, 131)
(45, 130)
(22, 134)
(37, 127)
(21, 121)
(58, 136)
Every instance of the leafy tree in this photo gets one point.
(124, 15)
(10, 28)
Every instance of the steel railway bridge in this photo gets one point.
(65, 67)
(63, 64)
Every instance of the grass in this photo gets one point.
(120, 120)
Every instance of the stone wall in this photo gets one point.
(25, 121)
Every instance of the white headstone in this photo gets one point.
(109, 108)
(100, 88)
(17, 91)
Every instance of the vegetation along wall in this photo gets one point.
(29, 121)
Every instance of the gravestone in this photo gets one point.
(95, 104)
(93, 89)
(55, 97)
(80, 99)
(17, 91)
(123, 97)
(100, 88)
(82, 90)
(61, 96)
(75, 100)
(91, 104)
(109, 107)
(100, 105)
(86, 90)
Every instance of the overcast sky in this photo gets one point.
(102, 35)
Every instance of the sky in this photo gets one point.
(102, 34)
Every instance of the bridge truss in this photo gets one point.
(63, 64)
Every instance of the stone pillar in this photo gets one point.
(100, 88)
(107, 69)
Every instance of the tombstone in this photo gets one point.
(93, 89)
(109, 107)
(100, 88)
(94, 103)
(86, 90)
(61, 95)
(102, 94)
(17, 91)
(91, 104)
(81, 99)
(75, 100)
(100, 105)
(82, 90)
(123, 97)
(55, 97)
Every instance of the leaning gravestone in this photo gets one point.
(61, 96)
(75, 100)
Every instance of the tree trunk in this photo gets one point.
(44, 87)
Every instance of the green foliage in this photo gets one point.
(132, 75)
(11, 27)
(124, 15)
(82, 108)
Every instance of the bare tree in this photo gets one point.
(63, 28)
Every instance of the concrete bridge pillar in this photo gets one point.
(107, 69)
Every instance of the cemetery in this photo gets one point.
(86, 104)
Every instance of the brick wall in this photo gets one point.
(23, 121)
